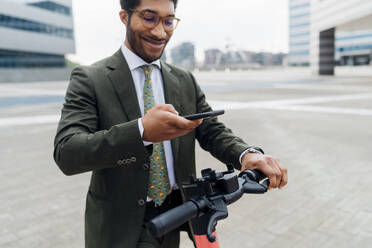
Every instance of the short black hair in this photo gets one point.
(129, 5)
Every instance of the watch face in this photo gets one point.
(252, 150)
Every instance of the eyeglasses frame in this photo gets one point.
(142, 14)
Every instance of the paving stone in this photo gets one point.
(326, 203)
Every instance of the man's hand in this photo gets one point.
(270, 166)
(162, 122)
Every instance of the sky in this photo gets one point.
(255, 25)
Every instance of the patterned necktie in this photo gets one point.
(159, 185)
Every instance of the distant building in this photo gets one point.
(349, 37)
(353, 48)
(240, 59)
(279, 58)
(35, 33)
(212, 57)
(299, 32)
(184, 55)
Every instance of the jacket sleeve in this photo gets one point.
(215, 137)
(79, 146)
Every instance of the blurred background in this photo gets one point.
(294, 76)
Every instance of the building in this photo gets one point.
(351, 26)
(241, 59)
(353, 47)
(212, 57)
(333, 23)
(183, 55)
(299, 33)
(35, 33)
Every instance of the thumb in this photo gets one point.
(167, 107)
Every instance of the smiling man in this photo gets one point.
(122, 121)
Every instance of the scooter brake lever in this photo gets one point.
(220, 212)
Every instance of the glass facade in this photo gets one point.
(17, 59)
(354, 48)
(350, 49)
(52, 6)
(57, 37)
(27, 25)
(299, 38)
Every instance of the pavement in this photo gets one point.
(319, 127)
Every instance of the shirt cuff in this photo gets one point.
(141, 129)
(258, 150)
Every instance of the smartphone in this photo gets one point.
(204, 115)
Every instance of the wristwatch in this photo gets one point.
(251, 149)
(254, 149)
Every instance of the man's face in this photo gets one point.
(147, 43)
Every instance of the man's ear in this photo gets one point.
(124, 16)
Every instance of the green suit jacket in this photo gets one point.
(98, 132)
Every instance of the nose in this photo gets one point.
(159, 31)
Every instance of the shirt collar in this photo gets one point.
(134, 61)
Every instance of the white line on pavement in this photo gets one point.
(347, 88)
(14, 92)
(300, 108)
(32, 120)
(322, 99)
(318, 109)
(291, 105)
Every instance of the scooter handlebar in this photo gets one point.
(173, 218)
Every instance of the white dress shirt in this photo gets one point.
(138, 75)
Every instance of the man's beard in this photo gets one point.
(136, 47)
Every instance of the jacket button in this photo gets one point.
(145, 166)
(141, 202)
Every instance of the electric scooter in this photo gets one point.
(207, 200)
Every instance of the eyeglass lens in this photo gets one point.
(151, 20)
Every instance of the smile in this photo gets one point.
(154, 43)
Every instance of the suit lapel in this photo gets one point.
(122, 81)
(171, 87)
(172, 96)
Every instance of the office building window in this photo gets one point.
(52, 6)
(300, 25)
(299, 53)
(294, 35)
(32, 26)
(16, 59)
(354, 48)
(299, 6)
(302, 43)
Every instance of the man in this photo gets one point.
(122, 121)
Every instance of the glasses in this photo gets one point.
(151, 20)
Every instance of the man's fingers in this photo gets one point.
(284, 180)
(184, 124)
(270, 166)
(198, 122)
(167, 107)
(272, 180)
(275, 175)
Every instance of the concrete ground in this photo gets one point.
(319, 127)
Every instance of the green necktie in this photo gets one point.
(159, 185)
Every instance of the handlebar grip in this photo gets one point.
(259, 175)
(254, 175)
(172, 219)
